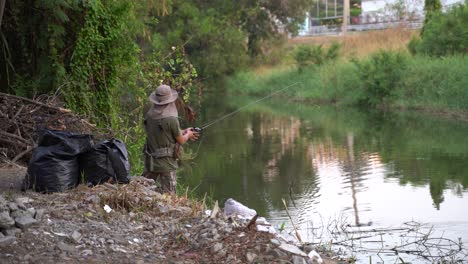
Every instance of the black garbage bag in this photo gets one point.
(54, 163)
(106, 160)
(120, 163)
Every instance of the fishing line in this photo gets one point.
(240, 109)
(237, 111)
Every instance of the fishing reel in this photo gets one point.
(197, 129)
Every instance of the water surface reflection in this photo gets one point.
(368, 170)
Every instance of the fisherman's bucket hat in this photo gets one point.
(164, 94)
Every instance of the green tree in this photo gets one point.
(431, 8)
(444, 34)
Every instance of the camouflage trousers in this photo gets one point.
(166, 181)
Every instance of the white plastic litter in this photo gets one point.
(266, 228)
(262, 221)
(233, 207)
(107, 208)
(314, 256)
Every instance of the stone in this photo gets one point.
(230, 258)
(5, 220)
(163, 209)
(251, 257)
(315, 257)
(93, 199)
(273, 253)
(217, 247)
(308, 248)
(275, 242)
(222, 253)
(7, 240)
(102, 240)
(18, 213)
(298, 260)
(23, 200)
(13, 206)
(11, 231)
(31, 212)
(25, 221)
(66, 247)
(39, 214)
(2, 200)
(21, 206)
(292, 249)
(76, 236)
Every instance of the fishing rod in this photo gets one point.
(200, 129)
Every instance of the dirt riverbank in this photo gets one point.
(139, 226)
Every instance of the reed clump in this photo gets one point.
(362, 44)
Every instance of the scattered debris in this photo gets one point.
(233, 207)
(107, 208)
(144, 227)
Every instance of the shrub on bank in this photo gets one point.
(379, 76)
(444, 34)
(306, 55)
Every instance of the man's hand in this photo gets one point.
(187, 134)
(193, 135)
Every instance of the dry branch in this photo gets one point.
(60, 109)
(21, 118)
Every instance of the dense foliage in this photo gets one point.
(105, 56)
(444, 34)
(380, 76)
(431, 8)
(306, 55)
(417, 82)
(95, 51)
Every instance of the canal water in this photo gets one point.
(379, 187)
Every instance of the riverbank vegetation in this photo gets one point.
(103, 57)
(432, 77)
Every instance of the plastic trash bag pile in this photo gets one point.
(62, 160)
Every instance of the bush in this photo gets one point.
(414, 45)
(444, 34)
(380, 75)
(306, 55)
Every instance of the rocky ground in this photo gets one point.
(129, 224)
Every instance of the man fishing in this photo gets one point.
(163, 138)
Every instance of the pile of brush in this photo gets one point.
(21, 118)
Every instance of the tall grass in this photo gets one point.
(436, 84)
(362, 44)
(322, 84)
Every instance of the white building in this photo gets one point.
(398, 8)
(375, 14)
